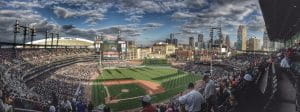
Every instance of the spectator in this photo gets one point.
(81, 107)
(222, 93)
(1, 103)
(52, 109)
(4, 107)
(67, 105)
(285, 63)
(169, 108)
(210, 93)
(146, 104)
(90, 107)
(106, 109)
(192, 100)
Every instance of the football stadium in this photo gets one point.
(149, 56)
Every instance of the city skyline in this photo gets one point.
(141, 20)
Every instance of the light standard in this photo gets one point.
(33, 31)
(16, 30)
(25, 33)
(46, 37)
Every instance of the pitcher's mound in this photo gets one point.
(124, 90)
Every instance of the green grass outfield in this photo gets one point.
(141, 73)
(160, 62)
(171, 79)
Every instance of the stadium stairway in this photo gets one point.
(285, 98)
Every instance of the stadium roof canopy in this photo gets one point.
(282, 18)
(66, 41)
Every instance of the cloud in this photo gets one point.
(228, 13)
(195, 3)
(92, 15)
(63, 12)
(134, 18)
(24, 5)
(26, 17)
(182, 15)
(67, 27)
(153, 25)
(193, 15)
(256, 23)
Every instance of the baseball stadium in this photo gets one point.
(149, 56)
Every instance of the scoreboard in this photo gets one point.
(110, 50)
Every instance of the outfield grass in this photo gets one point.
(171, 79)
(142, 73)
(134, 91)
(160, 62)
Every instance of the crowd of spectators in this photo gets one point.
(17, 62)
(222, 91)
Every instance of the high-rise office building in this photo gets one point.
(266, 42)
(200, 41)
(254, 44)
(227, 42)
(175, 42)
(192, 42)
(172, 40)
(171, 36)
(242, 38)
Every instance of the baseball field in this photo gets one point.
(122, 88)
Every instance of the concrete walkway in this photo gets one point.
(286, 97)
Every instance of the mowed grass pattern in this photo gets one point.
(142, 73)
(134, 90)
(171, 79)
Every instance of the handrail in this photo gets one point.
(25, 110)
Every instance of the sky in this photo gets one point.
(144, 21)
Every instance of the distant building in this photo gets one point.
(131, 51)
(201, 41)
(192, 42)
(241, 38)
(143, 53)
(163, 48)
(227, 42)
(254, 44)
(266, 42)
(172, 40)
(184, 54)
(183, 46)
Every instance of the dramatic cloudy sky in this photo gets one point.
(144, 21)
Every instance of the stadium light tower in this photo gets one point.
(25, 33)
(46, 37)
(16, 30)
(52, 36)
(57, 39)
(33, 31)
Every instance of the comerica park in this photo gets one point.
(149, 56)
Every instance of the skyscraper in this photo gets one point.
(171, 36)
(172, 40)
(254, 44)
(227, 42)
(192, 42)
(266, 42)
(201, 41)
(242, 38)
